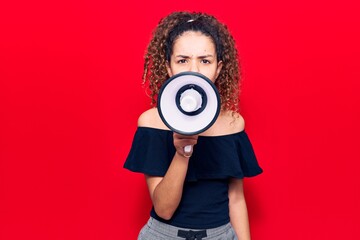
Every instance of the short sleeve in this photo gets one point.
(151, 152)
(247, 158)
(229, 156)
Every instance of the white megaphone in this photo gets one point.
(188, 104)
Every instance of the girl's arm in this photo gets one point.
(238, 210)
(166, 192)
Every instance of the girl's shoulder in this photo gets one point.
(232, 122)
(151, 118)
(228, 122)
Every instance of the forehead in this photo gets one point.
(193, 43)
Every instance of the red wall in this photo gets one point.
(70, 95)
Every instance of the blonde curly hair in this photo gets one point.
(160, 49)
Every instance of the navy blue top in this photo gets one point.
(214, 161)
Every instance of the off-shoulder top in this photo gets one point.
(214, 161)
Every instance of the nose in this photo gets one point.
(194, 67)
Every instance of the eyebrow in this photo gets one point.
(203, 56)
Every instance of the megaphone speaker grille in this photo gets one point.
(192, 89)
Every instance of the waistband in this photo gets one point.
(172, 231)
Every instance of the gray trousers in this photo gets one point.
(156, 230)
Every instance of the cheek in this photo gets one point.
(175, 69)
(210, 74)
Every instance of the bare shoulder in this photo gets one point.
(151, 118)
(233, 122)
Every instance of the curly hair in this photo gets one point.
(160, 49)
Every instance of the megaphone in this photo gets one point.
(188, 104)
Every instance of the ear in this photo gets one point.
(218, 68)
(168, 69)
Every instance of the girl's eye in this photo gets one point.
(205, 61)
(182, 61)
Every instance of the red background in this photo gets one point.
(70, 96)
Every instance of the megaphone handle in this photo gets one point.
(187, 148)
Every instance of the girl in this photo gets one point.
(196, 195)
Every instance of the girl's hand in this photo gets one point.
(180, 141)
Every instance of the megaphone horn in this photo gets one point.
(188, 103)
